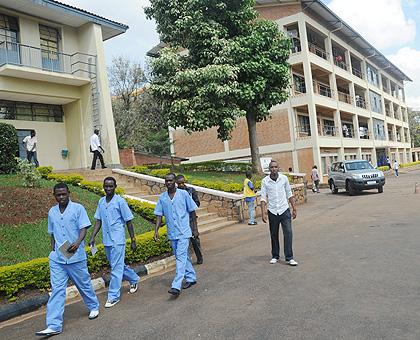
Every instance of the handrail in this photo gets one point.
(322, 89)
(303, 131)
(361, 102)
(358, 73)
(327, 130)
(341, 64)
(318, 51)
(345, 97)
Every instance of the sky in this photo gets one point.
(392, 26)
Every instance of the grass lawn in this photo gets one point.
(26, 241)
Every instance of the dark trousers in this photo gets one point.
(196, 244)
(96, 155)
(30, 155)
(285, 220)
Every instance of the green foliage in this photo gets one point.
(44, 171)
(97, 188)
(35, 274)
(73, 179)
(160, 172)
(9, 148)
(414, 126)
(216, 166)
(383, 168)
(144, 209)
(29, 174)
(406, 165)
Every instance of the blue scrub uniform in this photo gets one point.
(177, 215)
(114, 216)
(66, 227)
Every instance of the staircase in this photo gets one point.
(207, 221)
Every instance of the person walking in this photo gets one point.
(29, 142)
(195, 239)
(315, 179)
(276, 195)
(250, 197)
(176, 206)
(96, 148)
(396, 167)
(112, 214)
(67, 225)
(388, 162)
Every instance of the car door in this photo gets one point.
(340, 175)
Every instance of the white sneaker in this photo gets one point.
(47, 332)
(93, 314)
(134, 287)
(112, 303)
(292, 262)
(273, 261)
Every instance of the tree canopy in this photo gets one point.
(234, 65)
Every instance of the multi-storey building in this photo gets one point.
(53, 79)
(346, 100)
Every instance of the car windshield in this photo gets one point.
(362, 165)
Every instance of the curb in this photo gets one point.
(12, 310)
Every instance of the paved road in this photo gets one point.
(358, 278)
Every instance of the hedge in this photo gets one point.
(35, 274)
(44, 171)
(405, 165)
(9, 148)
(73, 179)
(97, 188)
(383, 168)
(202, 166)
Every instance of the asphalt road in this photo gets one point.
(358, 278)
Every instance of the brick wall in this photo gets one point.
(197, 143)
(306, 161)
(127, 157)
(284, 159)
(279, 11)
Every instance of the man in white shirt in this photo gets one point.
(277, 194)
(95, 145)
(29, 142)
(396, 167)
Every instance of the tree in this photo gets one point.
(139, 120)
(414, 125)
(9, 148)
(236, 65)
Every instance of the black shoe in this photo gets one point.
(187, 284)
(254, 223)
(200, 261)
(104, 167)
(175, 292)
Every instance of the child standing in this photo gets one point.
(250, 197)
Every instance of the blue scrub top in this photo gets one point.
(113, 215)
(66, 227)
(177, 213)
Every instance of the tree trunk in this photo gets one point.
(253, 143)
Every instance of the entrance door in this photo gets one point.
(21, 135)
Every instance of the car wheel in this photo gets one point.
(352, 191)
(334, 189)
(381, 190)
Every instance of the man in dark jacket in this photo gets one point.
(195, 240)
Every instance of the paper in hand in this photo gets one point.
(64, 249)
(93, 250)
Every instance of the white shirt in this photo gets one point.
(94, 142)
(30, 142)
(315, 175)
(396, 165)
(276, 193)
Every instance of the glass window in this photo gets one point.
(375, 102)
(304, 125)
(8, 29)
(31, 111)
(372, 75)
(49, 38)
(379, 129)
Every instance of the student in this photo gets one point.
(315, 179)
(95, 145)
(195, 239)
(67, 222)
(29, 142)
(112, 214)
(250, 197)
(396, 167)
(176, 206)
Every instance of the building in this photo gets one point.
(53, 79)
(346, 101)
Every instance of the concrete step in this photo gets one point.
(205, 216)
(214, 227)
(153, 198)
(211, 221)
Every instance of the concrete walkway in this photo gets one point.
(358, 278)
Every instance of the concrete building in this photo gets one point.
(53, 79)
(346, 101)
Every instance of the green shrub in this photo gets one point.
(73, 179)
(44, 171)
(9, 148)
(161, 173)
(144, 209)
(29, 174)
(140, 169)
(35, 274)
(405, 165)
(97, 188)
(383, 168)
(216, 166)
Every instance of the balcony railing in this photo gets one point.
(361, 102)
(364, 133)
(391, 136)
(338, 62)
(303, 131)
(388, 111)
(348, 131)
(298, 88)
(80, 64)
(296, 48)
(357, 72)
(318, 51)
(322, 89)
(345, 97)
(327, 130)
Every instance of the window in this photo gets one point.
(379, 129)
(327, 163)
(30, 111)
(372, 75)
(49, 40)
(299, 83)
(375, 102)
(328, 127)
(304, 125)
(8, 29)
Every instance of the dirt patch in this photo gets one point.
(24, 205)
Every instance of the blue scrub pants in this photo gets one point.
(60, 274)
(184, 267)
(119, 270)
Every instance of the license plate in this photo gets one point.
(371, 182)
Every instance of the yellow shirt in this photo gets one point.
(248, 192)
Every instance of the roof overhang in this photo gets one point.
(64, 14)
